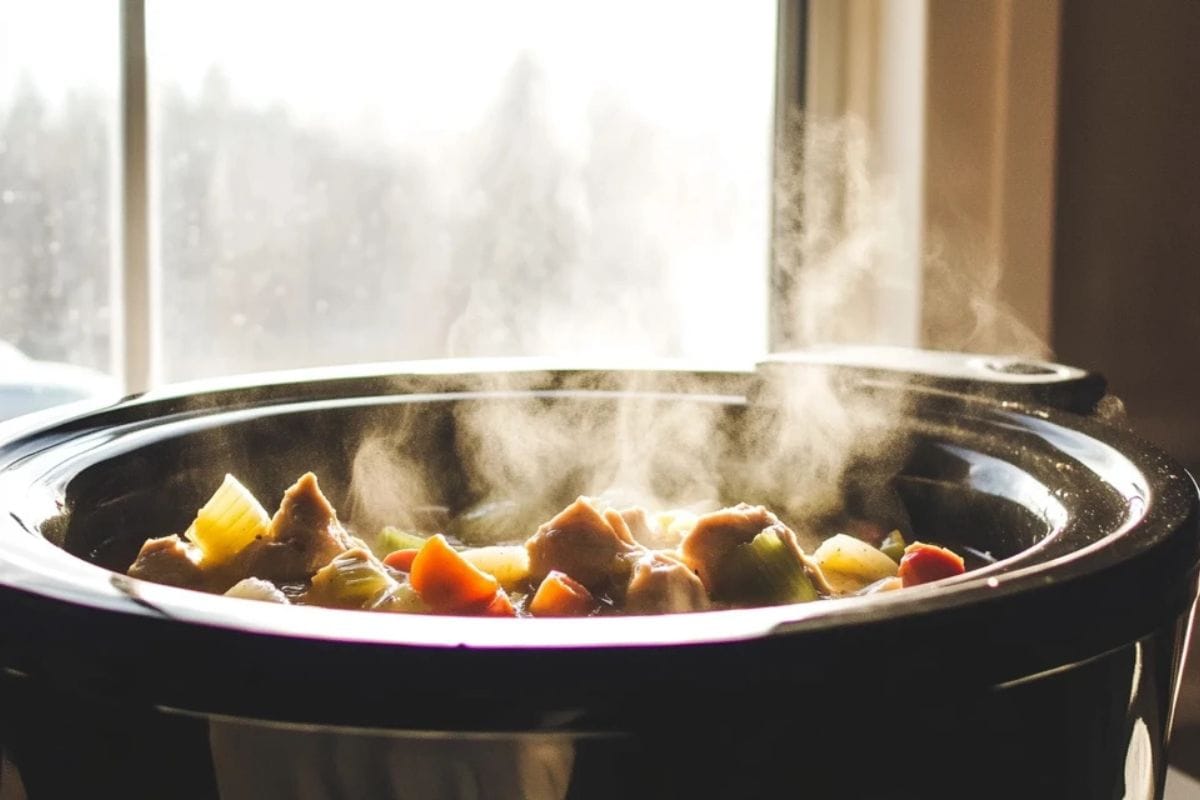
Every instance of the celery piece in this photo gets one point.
(893, 546)
(391, 539)
(353, 579)
(766, 571)
(231, 519)
(402, 599)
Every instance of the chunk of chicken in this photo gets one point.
(304, 536)
(591, 547)
(715, 535)
(169, 560)
(661, 584)
(639, 525)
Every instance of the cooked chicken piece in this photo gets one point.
(169, 560)
(639, 526)
(255, 589)
(619, 526)
(305, 517)
(715, 535)
(591, 547)
(662, 584)
(304, 535)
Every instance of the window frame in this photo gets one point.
(135, 297)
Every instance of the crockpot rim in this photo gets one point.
(38, 565)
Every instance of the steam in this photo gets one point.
(965, 312)
(839, 233)
(389, 486)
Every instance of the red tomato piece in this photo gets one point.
(923, 563)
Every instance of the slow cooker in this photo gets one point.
(1050, 670)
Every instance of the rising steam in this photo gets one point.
(839, 231)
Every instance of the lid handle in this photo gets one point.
(1012, 378)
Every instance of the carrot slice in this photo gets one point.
(500, 606)
(401, 559)
(561, 596)
(447, 581)
(923, 563)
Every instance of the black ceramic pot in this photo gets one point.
(1049, 673)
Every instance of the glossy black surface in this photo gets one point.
(1097, 534)
(1092, 730)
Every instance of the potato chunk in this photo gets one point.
(257, 589)
(850, 564)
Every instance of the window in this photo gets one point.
(367, 181)
(363, 181)
(57, 211)
(470, 178)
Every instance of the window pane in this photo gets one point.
(462, 178)
(57, 125)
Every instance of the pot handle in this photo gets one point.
(1007, 378)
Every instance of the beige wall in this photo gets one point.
(1127, 253)
(1127, 258)
(992, 80)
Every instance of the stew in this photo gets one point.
(588, 559)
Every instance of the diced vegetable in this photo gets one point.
(767, 569)
(893, 546)
(883, 585)
(561, 596)
(402, 599)
(500, 606)
(257, 589)
(849, 564)
(586, 558)
(924, 563)
(231, 519)
(400, 559)
(447, 581)
(508, 564)
(353, 579)
(391, 539)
